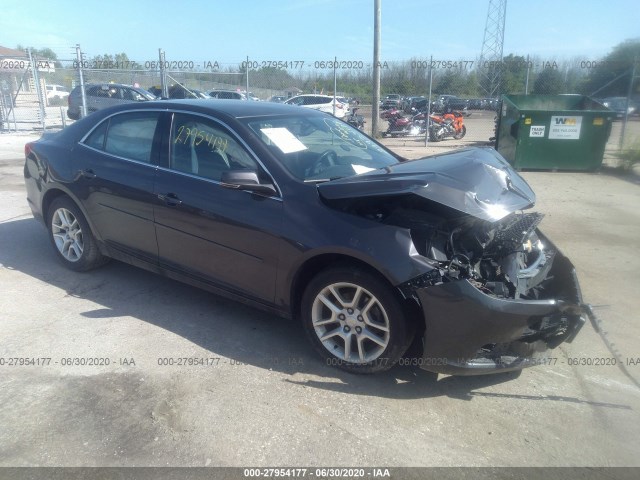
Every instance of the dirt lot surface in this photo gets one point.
(267, 399)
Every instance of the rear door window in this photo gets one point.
(129, 135)
(91, 91)
(96, 139)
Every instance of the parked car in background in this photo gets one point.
(278, 99)
(491, 103)
(298, 213)
(56, 92)
(178, 91)
(155, 90)
(324, 103)
(200, 94)
(476, 104)
(104, 95)
(345, 102)
(392, 100)
(419, 103)
(449, 102)
(619, 105)
(437, 104)
(227, 95)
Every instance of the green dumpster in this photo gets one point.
(553, 132)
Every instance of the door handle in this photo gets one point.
(170, 199)
(87, 173)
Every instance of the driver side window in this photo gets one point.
(199, 146)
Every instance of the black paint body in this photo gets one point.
(263, 249)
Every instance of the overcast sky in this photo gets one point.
(313, 30)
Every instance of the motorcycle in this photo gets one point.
(390, 113)
(451, 124)
(355, 120)
(401, 126)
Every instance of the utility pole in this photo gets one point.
(526, 83)
(247, 78)
(81, 77)
(375, 108)
(428, 120)
(626, 105)
(163, 75)
(335, 84)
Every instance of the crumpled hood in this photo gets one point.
(475, 181)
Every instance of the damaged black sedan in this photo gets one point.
(300, 214)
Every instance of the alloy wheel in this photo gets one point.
(67, 234)
(350, 322)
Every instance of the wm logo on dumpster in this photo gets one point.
(565, 121)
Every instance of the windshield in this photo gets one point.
(320, 148)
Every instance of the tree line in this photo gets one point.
(599, 77)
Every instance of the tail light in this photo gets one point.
(27, 149)
(339, 105)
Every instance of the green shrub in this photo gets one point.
(629, 156)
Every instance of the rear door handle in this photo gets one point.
(87, 173)
(170, 199)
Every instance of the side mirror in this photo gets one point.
(246, 180)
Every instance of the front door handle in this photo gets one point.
(170, 199)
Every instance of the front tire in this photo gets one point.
(459, 135)
(71, 236)
(354, 320)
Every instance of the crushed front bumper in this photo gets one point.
(468, 332)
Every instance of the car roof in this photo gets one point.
(314, 95)
(233, 108)
(108, 84)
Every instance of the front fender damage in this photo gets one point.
(471, 331)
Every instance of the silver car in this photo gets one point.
(103, 95)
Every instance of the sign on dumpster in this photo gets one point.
(565, 127)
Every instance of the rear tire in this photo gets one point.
(71, 237)
(433, 136)
(354, 320)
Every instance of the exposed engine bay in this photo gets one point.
(505, 258)
(493, 290)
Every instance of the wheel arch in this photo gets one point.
(314, 265)
(52, 194)
(48, 199)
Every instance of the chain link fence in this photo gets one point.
(34, 92)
